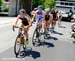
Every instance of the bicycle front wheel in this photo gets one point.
(17, 46)
(35, 37)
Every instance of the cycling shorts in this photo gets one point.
(39, 19)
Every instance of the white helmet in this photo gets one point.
(47, 9)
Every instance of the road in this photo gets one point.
(58, 48)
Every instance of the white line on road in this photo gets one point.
(12, 59)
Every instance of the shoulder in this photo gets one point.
(27, 17)
(18, 16)
(36, 11)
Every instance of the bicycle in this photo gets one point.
(37, 35)
(21, 43)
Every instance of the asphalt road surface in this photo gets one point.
(58, 47)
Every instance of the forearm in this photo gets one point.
(33, 18)
(16, 20)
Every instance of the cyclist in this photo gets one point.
(70, 15)
(58, 17)
(25, 22)
(38, 17)
(47, 19)
(39, 14)
(55, 18)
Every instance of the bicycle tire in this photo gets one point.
(45, 34)
(35, 37)
(17, 50)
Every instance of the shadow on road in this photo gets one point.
(46, 44)
(49, 44)
(55, 32)
(51, 37)
(62, 26)
(29, 53)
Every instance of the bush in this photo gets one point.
(5, 8)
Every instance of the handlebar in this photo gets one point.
(17, 27)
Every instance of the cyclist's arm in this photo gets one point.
(16, 20)
(33, 18)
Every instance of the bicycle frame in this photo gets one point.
(22, 35)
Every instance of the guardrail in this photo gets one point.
(69, 3)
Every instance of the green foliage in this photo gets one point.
(37, 2)
(45, 3)
(49, 3)
(4, 8)
(1, 2)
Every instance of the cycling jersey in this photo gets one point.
(54, 16)
(47, 17)
(39, 16)
(24, 21)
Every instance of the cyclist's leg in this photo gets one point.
(27, 35)
(59, 21)
(19, 33)
(53, 25)
(48, 24)
(43, 25)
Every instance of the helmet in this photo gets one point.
(47, 9)
(22, 11)
(35, 8)
(40, 6)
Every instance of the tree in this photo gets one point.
(45, 3)
(49, 3)
(25, 4)
(37, 2)
(0, 4)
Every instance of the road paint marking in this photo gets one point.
(12, 58)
